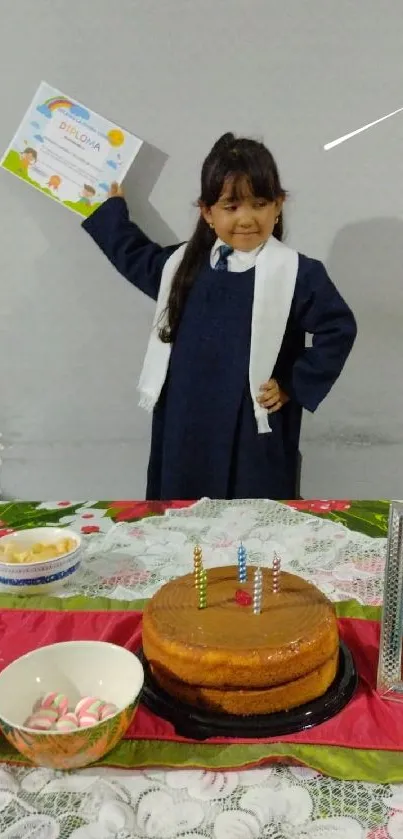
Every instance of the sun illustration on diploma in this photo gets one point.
(116, 137)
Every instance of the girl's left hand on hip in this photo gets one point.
(272, 397)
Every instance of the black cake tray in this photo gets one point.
(199, 724)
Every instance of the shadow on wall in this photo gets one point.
(353, 446)
(366, 258)
(366, 263)
(139, 185)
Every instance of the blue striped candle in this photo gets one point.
(242, 564)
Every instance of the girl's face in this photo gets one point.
(244, 222)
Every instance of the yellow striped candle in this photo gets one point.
(203, 589)
(197, 565)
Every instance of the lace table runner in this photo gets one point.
(130, 562)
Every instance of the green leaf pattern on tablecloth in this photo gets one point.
(363, 518)
(28, 514)
(368, 517)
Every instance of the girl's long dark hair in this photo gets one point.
(238, 160)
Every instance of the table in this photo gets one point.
(343, 553)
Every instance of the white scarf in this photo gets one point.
(275, 277)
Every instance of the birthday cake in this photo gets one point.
(227, 658)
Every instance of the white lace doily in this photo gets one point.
(129, 562)
(267, 803)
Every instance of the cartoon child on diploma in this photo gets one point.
(27, 158)
(87, 195)
(54, 182)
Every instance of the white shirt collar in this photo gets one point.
(245, 258)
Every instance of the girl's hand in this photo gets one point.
(272, 397)
(116, 191)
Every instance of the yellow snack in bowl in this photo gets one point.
(15, 553)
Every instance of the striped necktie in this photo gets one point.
(224, 252)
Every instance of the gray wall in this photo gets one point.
(178, 73)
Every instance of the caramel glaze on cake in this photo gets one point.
(226, 658)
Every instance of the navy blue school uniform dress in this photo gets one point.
(204, 434)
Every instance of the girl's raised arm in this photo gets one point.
(138, 259)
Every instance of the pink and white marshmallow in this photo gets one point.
(68, 722)
(42, 720)
(108, 710)
(87, 720)
(57, 701)
(89, 705)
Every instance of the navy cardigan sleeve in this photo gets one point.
(135, 257)
(319, 310)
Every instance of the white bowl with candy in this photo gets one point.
(67, 705)
(38, 560)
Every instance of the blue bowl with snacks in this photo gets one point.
(38, 560)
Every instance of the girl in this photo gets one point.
(226, 372)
